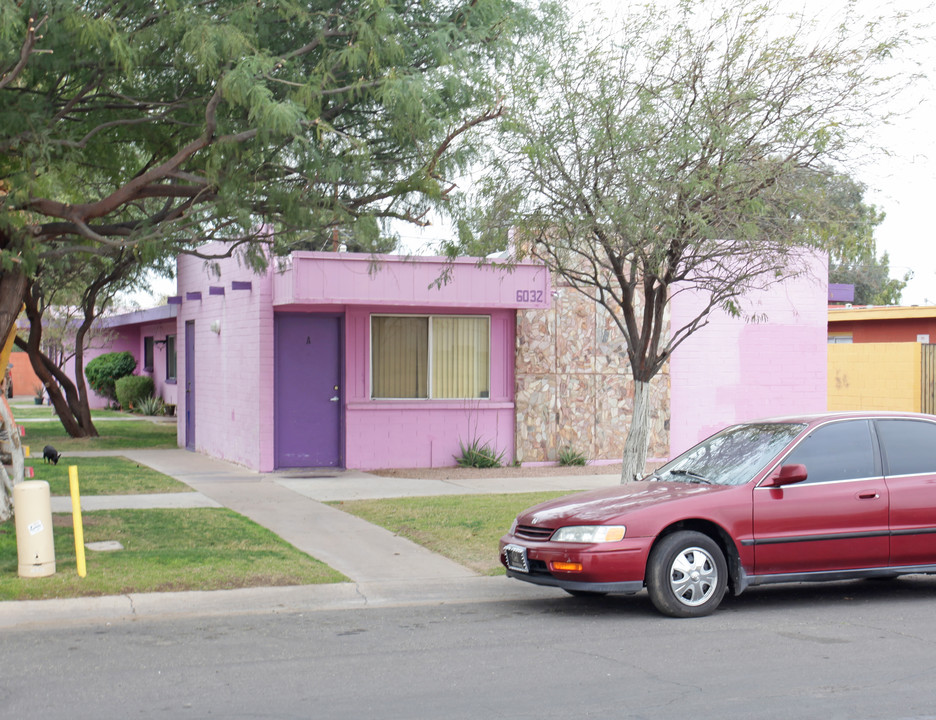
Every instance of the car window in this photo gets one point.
(909, 446)
(733, 456)
(837, 451)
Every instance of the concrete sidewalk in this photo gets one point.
(384, 568)
(292, 504)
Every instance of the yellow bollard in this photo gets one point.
(76, 519)
(25, 450)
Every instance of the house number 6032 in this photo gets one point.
(529, 296)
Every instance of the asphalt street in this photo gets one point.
(849, 651)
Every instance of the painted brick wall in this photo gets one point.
(418, 435)
(875, 376)
(426, 433)
(887, 330)
(233, 365)
(168, 391)
(735, 370)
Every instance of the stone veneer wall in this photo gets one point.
(574, 386)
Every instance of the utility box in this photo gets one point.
(35, 548)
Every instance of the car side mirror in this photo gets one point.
(786, 475)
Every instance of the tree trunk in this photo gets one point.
(10, 445)
(73, 411)
(638, 436)
(12, 289)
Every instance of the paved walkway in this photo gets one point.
(384, 567)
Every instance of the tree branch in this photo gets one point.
(28, 49)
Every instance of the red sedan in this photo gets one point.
(820, 497)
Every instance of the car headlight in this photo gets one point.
(589, 534)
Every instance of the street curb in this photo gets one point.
(26, 614)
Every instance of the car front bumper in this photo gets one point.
(612, 568)
(623, 588)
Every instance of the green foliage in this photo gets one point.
(570, 457)
(665, 148)
(872, 280)
(104, 371)
(846, 231)
(236, 117)
(133, 389)
(151, 406)
(479, 455)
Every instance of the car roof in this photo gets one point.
(816, 418)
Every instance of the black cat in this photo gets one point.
(50, 455)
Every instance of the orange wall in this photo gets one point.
(891, 330)
(24, 377)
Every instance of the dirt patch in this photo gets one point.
(65, 520)
(460, 473)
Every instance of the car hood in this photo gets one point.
(607, 505)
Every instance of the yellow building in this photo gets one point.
(882, 358)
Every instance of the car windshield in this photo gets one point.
(732, 457)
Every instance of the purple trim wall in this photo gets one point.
(235, 365)
(425, 433)
(233, 340)
(125, 333)
(729, 371)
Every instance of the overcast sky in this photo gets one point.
(901, 184)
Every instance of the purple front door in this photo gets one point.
(308, 390)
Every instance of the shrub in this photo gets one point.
(478, 456)
(104, 371)
(132, 389)
(151, 406)
(569, 457)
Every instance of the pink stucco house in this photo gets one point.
(344, 360)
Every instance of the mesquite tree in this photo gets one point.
(665, 152)
(130, 126)
(146, 126)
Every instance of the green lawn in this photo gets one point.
(46, 412)
(104, 476)
(113, 436)
(207, 549)
(463, 528)
(165, 550)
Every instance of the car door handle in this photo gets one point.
(334, 399)
(868, 496)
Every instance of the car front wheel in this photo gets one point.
(687, 575)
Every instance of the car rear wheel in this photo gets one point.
(687, 575)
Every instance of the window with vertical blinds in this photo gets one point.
(440, 356)
(400, 357)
